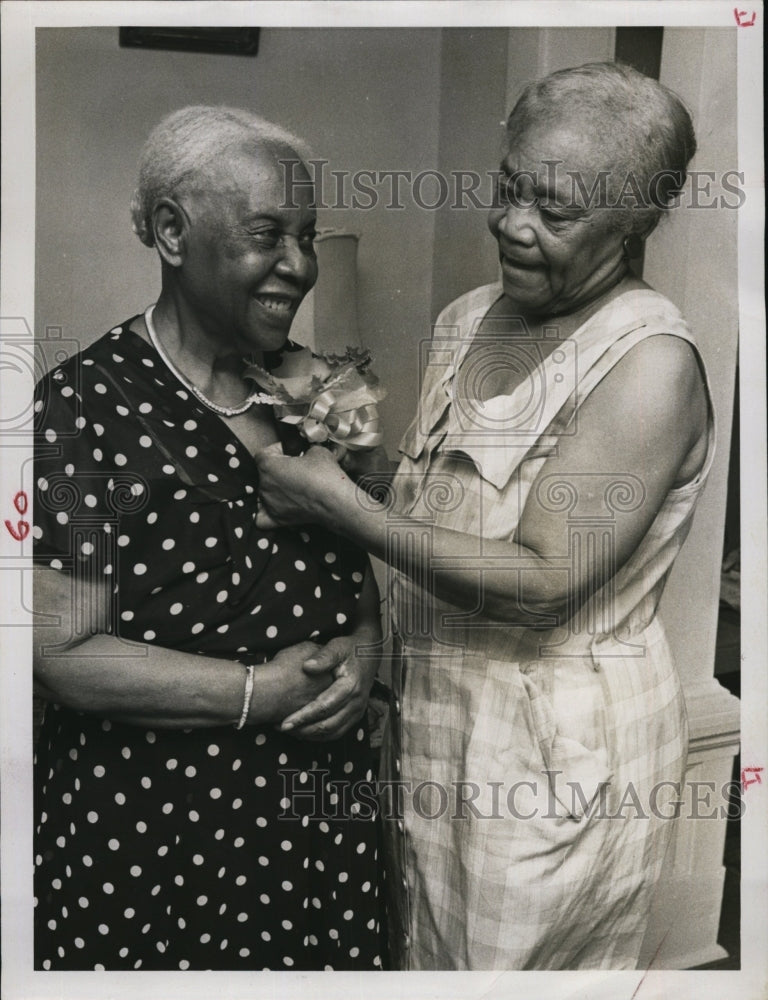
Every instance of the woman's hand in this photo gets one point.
(298, 686)
(368, 462)
(147, 685)
(348, 664)
(342, 704)
(310, 488)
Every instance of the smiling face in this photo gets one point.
(247, 261)
(557, 250)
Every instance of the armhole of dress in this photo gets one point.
(645, 333)
(699, 477)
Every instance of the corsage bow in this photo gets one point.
(327, 397)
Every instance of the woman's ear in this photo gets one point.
(169, 226)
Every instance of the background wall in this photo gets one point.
(472, 112)
(362, 99)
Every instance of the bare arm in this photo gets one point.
(150, 685)
(647, 418)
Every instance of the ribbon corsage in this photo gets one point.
(328, 397)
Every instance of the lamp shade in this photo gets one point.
(327, 318)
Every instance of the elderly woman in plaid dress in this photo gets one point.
(538, 734)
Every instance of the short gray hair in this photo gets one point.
(185, 143)
(645, 120)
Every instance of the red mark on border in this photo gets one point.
(20, 530)
(739, 14)
(751, 776)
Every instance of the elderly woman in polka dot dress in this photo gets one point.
(182, 820)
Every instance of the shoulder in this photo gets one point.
(655, 349)
(74, 370)
(656, 389)
(73, 385)
(665, 366)
(482, 297)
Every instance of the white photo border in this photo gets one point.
(19, 21)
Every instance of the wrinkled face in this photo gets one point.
(249, 258)
(558, 247)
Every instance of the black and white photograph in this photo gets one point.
(383, 462)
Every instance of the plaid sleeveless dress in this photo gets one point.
(536, 764)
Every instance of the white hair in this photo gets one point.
(643, 125)
(185, 143)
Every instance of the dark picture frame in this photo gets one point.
(224, 41)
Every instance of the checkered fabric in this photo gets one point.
(536, 763)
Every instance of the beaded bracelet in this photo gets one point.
(247, 696)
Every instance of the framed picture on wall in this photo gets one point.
(224, 41)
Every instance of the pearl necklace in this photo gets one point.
(224, 411)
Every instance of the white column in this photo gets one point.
(692, 259)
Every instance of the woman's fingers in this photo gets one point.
(274, 463)
(276, 448)
(298, 653)
(279, 496)
(339, 452)
(332, 700)
(333, 727)
(334, 654)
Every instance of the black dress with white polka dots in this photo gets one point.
(189, 849)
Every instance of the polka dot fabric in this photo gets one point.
(136, 481)
(206, 849)
(213, 849)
